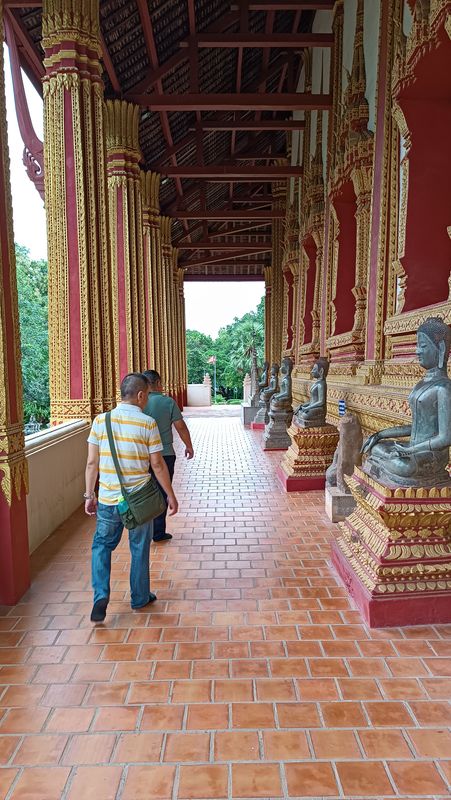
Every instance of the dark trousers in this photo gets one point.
(159, 523)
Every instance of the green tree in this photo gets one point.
(199, 347)
(32, 286)
(232, 349)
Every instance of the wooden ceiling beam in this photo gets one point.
(241, 216)
(242, 247)
(218, 259)
(286, 5)
(237, 172)
(260, 40)
(302, 101)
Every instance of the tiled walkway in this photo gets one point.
(252, 677)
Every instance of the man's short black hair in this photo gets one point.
(133, 383)
(152, 376)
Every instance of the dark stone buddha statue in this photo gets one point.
(313, 413)
(282, 400)
(422, 460)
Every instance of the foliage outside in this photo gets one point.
(32, 290)
(232, 348)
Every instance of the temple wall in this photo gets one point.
(56, 461)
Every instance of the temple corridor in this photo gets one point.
(252, 676)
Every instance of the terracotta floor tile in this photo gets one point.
(233, 691)
(267, 649)
(311, 780)
(317, 689)
(7, 746)
(384, 744)
(437, 687)
(22, 696)
(7, 776)
(249, 669)
(145, 782)
(275, 689)
(236, 746)
(371, 667)
(20, 720)
(359, 689)
(343, 715)
(107, 694)
(285, 745)
(89, 749)
(64, 694)
(402, 689)
(432, 713)
(214, 716)
(210, 669)
(206, 781)
(167, 670)
(40, 783)
(95, 783)
(431, 743)
(252, 715)
(70, 720)
(388, 713)
(182, 747)
(162, 718)
(116, 718)
(194, 691)
(328, 667)
(256, 780)
(411, 778)
(40, 750)
(149, 692)
(335, 744)
(298, 715)
(136, 747)
(369, 779)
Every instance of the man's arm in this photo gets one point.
(91, 473)
(182, 430)
(160, 470)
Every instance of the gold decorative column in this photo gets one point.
(150, 185)
(165, 322)
(182, 330)
(277, 284)
(14, 561)
(268, 313)
(126, 236)
(175, 321)
(82, 379)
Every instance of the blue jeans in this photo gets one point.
(106, 538)
(159, 523)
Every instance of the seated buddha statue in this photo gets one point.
(422, 460)
(261, 384)
(313, 413)
(281, 401)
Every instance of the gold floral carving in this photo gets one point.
(70, 26)
(311, 451)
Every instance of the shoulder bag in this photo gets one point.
(144, 504)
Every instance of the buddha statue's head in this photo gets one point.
(320, 368)
(286, 366)
(274, 370)
(433, 343)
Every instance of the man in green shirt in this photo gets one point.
(166, 414)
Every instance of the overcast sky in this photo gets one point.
(209, 306)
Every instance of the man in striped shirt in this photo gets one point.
(138, 445)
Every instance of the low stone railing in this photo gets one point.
(56, 464)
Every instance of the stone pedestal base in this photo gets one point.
(393, 553)
(276, 436)
(257, 426)
(311, 451)
(248, 413)
(338, 505)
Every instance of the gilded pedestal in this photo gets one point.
(394, 553)
(276, 435)
(304, 465)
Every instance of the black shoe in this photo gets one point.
(152, 598)
(163, 537)
(99, 608)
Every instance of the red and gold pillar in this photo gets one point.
(14, 559)
(150, 184)
(126, 236)
(182, 334)
(82, 379)
(165, 325)
(277, 282)
(268, 313)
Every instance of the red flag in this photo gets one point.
(212, 360)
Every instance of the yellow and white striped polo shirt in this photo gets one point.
(136, 436)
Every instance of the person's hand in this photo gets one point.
(370, 442)
(91, 507)
(401, 451)
(173, 505)
(189, 453)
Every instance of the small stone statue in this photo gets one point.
(347, 455)
(313, 413)
(271, 389)
(421, 461)
(262, 384)
(283, 399)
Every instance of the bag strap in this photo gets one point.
(109, 431)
